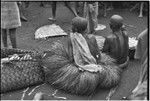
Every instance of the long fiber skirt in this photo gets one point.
(63, 74)
(10, 17)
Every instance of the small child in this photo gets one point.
(116, 44)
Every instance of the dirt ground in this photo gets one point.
(38, 16)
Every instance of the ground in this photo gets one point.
(38, 16)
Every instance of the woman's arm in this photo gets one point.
(98, 56)
(106, 46)
(93, 47)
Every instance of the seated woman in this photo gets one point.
(116, 44)
(77, 67)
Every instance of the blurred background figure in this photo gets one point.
(140, 91)
(22, 6)
(140, 6)
(142, 44)
(10, 20)
(91, 13)
(106, 6)
(72, 8)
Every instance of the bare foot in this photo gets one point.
(52, 19)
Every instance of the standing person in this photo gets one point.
(21, 9)
(91, 13)
(67, 4)
(10, 20)
(142, 44)
(53, 11)
(116, 44)
(140, 91)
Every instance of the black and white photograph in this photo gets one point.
(75, 50)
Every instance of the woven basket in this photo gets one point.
(22, 73)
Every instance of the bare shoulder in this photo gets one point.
(111, 37)
(91, 38)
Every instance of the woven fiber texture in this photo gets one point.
(5, 52)
(24, 72)
(63, 74)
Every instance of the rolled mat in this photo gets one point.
(21, 73)
(5, 52)
(69, 78)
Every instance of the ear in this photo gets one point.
(74, 29)
(110, 25)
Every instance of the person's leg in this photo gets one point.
(41, 4)
(105, 9)
(21, 10)
(12, 33)
(91, 23)
(77, 5)
(4, 37)
(134, 7)
(72, 9)
(27, 4)
(85, 10)
(54, 5)
(141, 9)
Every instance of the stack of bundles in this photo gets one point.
(64, 74)
(22, 69)
(5, 52)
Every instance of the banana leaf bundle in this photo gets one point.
(20, 72)
(5, 52)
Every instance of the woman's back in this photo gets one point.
(116, 45)
(92, 44)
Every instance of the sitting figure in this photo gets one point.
(116, 44)
(77, 66)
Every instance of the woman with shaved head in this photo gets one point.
(116, 44)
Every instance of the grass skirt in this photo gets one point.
(64, 75)
(21, 73)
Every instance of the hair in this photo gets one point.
(116, 22)
(79, 24)
(115, 27)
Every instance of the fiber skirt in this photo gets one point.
(63, 74)
(10, 17)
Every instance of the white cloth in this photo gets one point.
(10, 17)
(82, 55)
(91, 13)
